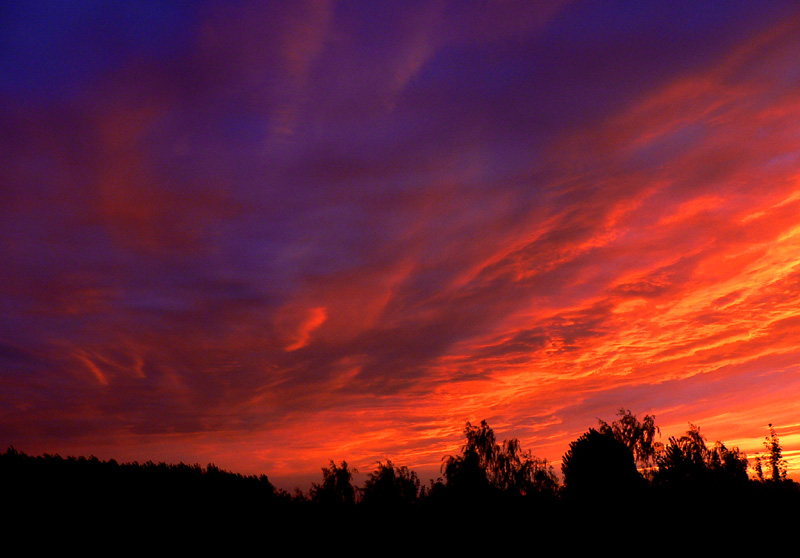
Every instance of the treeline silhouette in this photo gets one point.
(618, 469)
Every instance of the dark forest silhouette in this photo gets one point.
(611, 471)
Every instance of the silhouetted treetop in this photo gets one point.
(391, 486)
(637, 436)
(613, 468)
(689, 461)
(336, 488)
(598, 466)
(485, 466)
(777, 465)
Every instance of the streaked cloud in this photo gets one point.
(275, 234)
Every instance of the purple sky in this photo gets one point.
(266, 235)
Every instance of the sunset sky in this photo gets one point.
(266, 235)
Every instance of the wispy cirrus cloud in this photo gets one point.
(294, 233)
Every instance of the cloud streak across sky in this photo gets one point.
(270, 234)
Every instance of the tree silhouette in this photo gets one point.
(728, 465)
(639, 437)
(517, 472)
(336, 488)
(465, 476)
(684, 459)
(468, 473)
(688, 461)
(777, 465)
(758, 469)
(599, 468)
(501, 480)
(391, 486)
(486, 468)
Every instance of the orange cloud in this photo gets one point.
(315, 318)
(302, 247)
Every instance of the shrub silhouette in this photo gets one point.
(599, 468)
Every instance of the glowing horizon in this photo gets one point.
(269, 236)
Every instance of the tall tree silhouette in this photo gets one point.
(336, 488)
(777, 465)
(468, 474)
(486, 467)
(639, 437)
